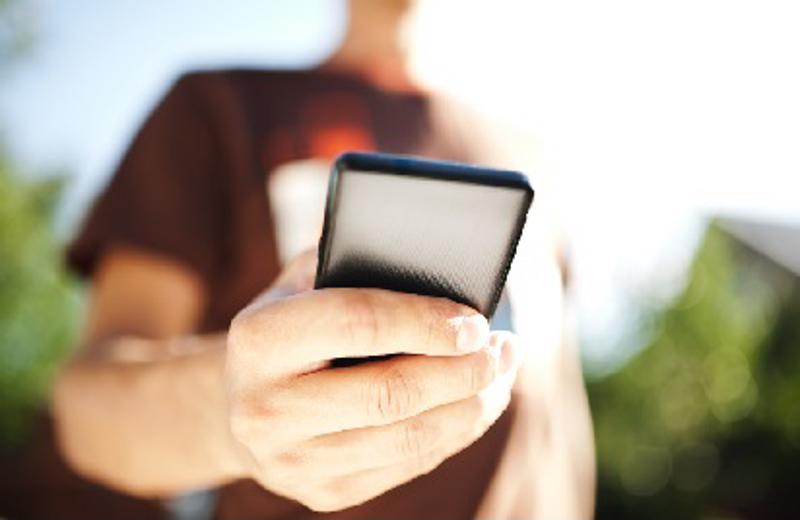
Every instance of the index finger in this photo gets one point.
(333, 323)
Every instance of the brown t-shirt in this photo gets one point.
(192, 187)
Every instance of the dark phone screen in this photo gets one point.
(423, 227)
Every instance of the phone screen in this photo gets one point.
(424, 227)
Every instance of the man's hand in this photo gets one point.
(336, 437)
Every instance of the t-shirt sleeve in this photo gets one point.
(166, 196)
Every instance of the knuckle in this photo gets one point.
(415, 438)
(247, 416)
(240, 331)
(393, 396)
(234, 339)
(289, 459)
(323, 502)
(359, 319)
(430, 462)
(335, 490)
(239, 421)
(253, 324)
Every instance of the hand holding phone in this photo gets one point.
(330, 435)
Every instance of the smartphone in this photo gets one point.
(421, 226)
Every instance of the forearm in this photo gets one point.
(146, 417)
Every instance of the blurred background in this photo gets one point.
(668, 130)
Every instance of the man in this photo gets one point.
(169, 395)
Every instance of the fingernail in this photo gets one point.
(473, 332)
(508, 356)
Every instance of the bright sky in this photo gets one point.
(98, 67)
(653, 114)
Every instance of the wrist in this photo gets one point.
(225, 453)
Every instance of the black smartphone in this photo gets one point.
(427, 227)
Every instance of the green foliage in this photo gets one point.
(704, 420)
(39, 302)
